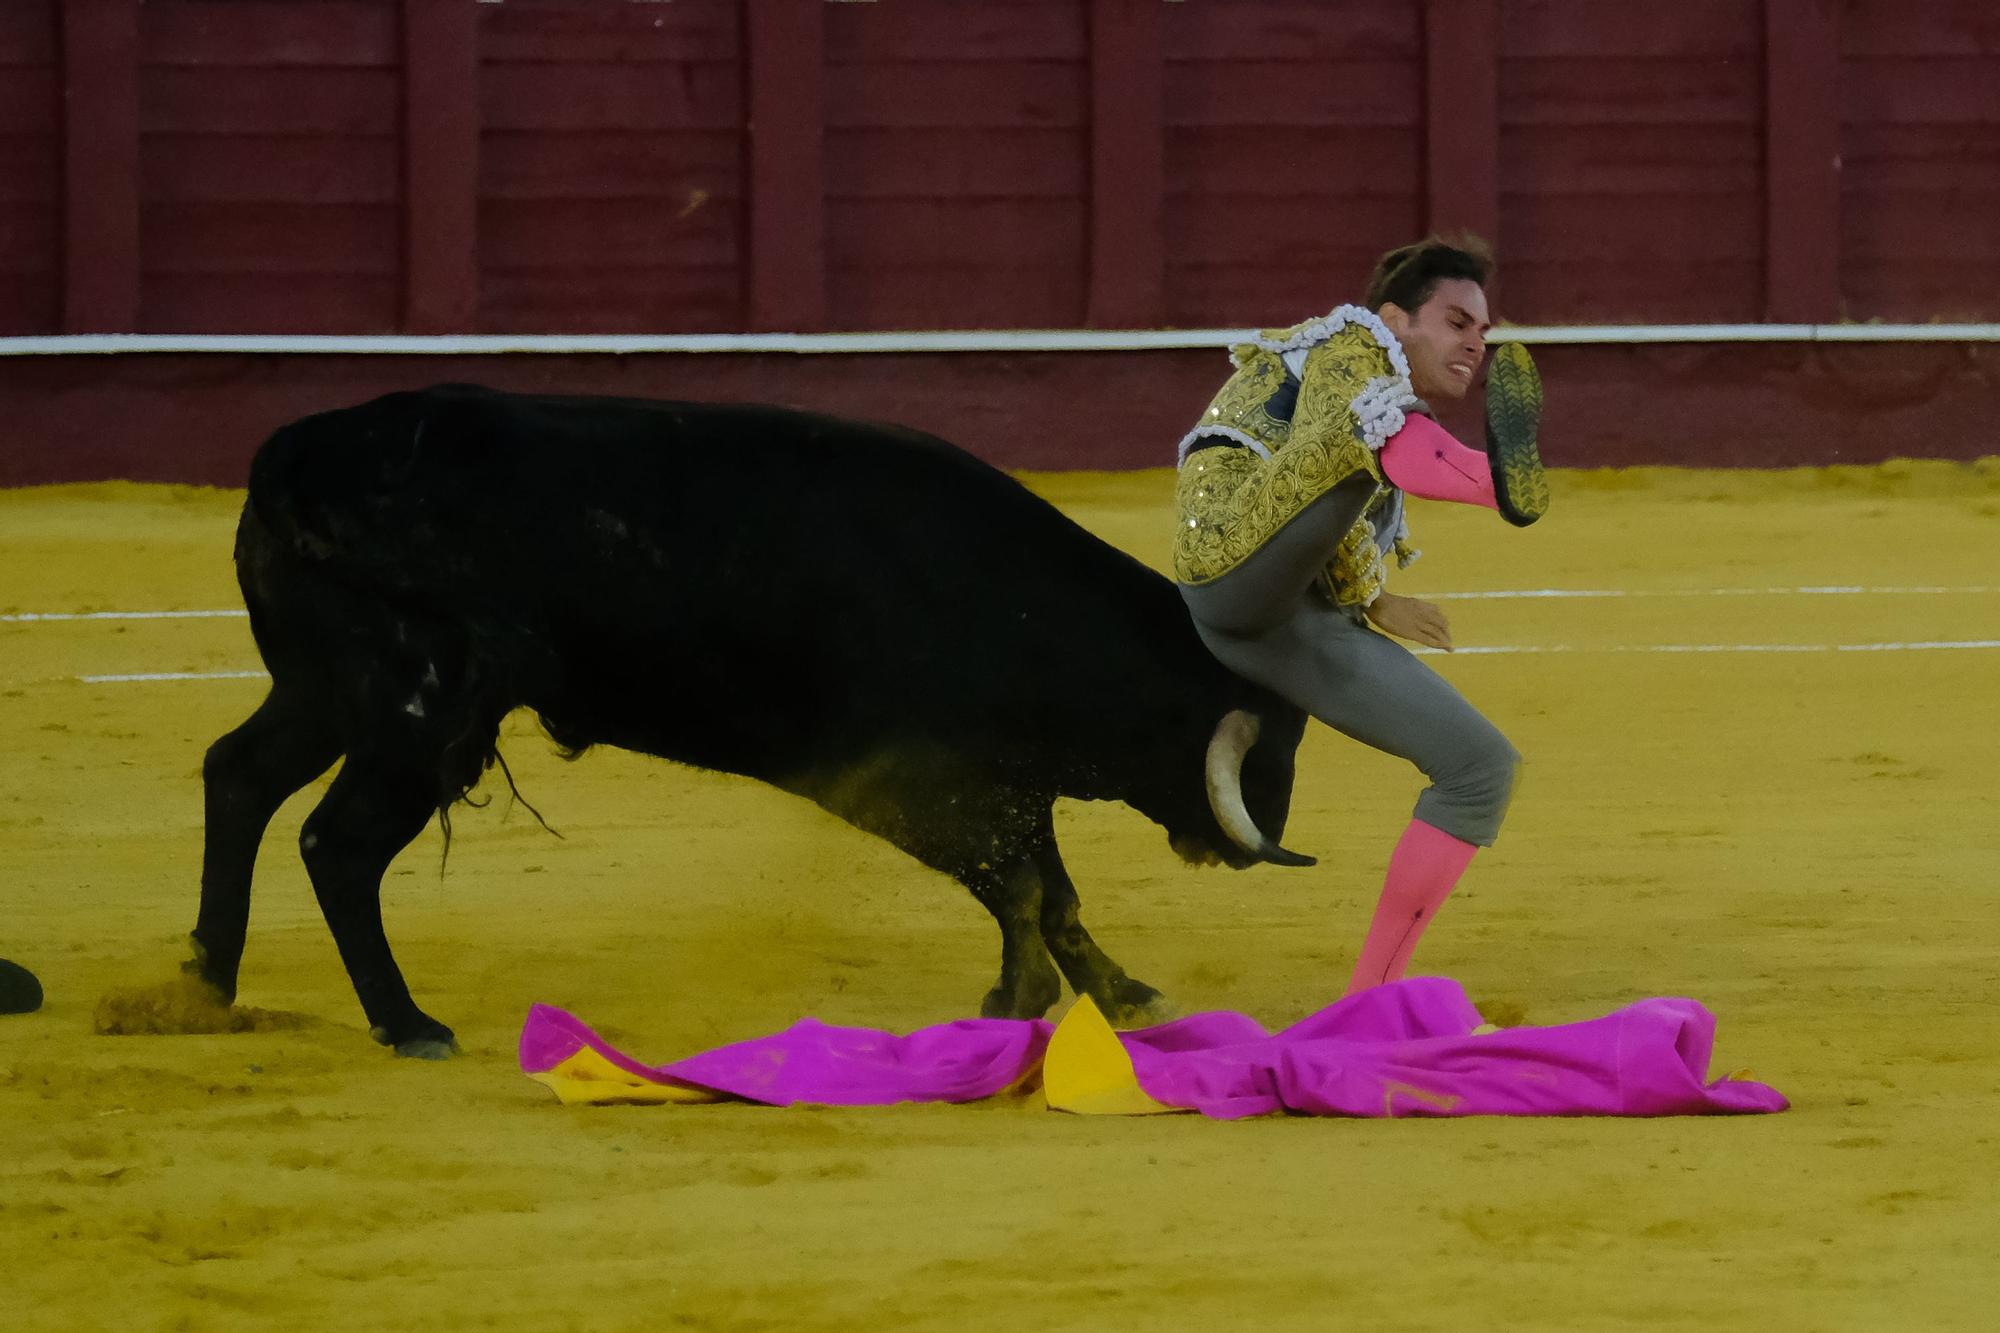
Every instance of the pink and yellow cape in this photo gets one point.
(1413, 1048)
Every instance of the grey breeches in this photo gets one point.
(1262, 621)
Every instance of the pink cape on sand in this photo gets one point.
(1411, 1048)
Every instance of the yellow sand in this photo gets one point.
(1807, 842)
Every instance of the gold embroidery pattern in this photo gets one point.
(1337, 372)
(1239, 405)
(1356, 575)
(1230, 501)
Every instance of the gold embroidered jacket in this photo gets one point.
(1309, 405)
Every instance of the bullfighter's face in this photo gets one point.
(1444, 338)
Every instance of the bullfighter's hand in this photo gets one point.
(1408, 618)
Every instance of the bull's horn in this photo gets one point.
(1234, 736)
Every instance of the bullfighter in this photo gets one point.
(1290, 504)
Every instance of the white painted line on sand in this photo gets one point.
(149, 676)
(33, 617)
(1919, 646)
(1473, 650)
(1496, 594)
(1815, 590)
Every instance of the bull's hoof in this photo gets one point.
(198, 968)
(427, 1048)
(20, 990)
(1134, 1004)
(426, 1039)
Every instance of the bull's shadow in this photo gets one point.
(860, 614)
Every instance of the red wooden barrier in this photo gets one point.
(270, 156)
(612, 166)
(787, 259)
(1631, 168)
(198, 418)
(100, 42)
(576, 166)
(440, 168)
(1462, 117)
(1919, 99)
(616, 166)
(31, 170)
(1801, 162)
(1295, 153)
(1128, 260)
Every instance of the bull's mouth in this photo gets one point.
(1234, 736)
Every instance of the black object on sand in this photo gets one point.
(20, 991)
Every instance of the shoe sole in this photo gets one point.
(1513, 420)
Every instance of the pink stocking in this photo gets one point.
(1422, 872)
(1423, 459)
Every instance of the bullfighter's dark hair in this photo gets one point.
(1408, 275)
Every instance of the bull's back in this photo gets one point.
(730, 580)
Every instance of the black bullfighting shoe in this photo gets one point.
(1513, 420)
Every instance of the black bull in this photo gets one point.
(859, 614)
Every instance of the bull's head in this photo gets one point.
(1249, 791)
(1227, 750)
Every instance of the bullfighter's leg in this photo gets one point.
(1028, 983)
(375, 808)
(1371, 688)
(1124, 1001)
(246, 776)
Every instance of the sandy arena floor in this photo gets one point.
(1806, 841)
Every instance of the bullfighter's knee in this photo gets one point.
(1469, 800)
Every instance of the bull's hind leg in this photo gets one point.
(374, 809)
(246, 776)
(1125, 1001)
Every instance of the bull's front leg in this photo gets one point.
(374, 809)
(1126, 1002)
(1028, 982)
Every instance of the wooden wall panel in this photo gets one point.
(440, 158)
(1920, 152)
(1127, 262)
(1631, 152)
(273, 33)
(1293, 154)
(927, 106)
(785, 167)
(611, 166)
(1791, 405)
(1461, 153)
(269, 161)
(1801, 161)
(983, 165)
(100, 101)
(30, 170)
